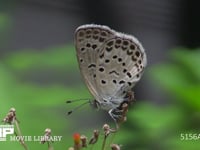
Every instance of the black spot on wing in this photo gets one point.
(92, 66)
(114, 72)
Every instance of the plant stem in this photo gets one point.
(104, 143)
(50, 147)
(20, 134)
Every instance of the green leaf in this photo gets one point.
(181, 78)
(59, 57)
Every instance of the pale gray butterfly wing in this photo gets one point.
(88, 40)
(110, 62)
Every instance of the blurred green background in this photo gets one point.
(152, 126)
(38, 81)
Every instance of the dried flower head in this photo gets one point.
(84, 140)
(115, 147)
(47, 131)
(106, 129)
(46, 136)
(10, 117)
(95, 137)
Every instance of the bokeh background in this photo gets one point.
(39, 70)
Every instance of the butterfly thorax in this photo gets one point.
(108, 104)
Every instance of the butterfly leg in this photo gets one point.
(117, 115)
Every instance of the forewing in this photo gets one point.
(88, 40)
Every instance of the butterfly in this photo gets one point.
(111, 63)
